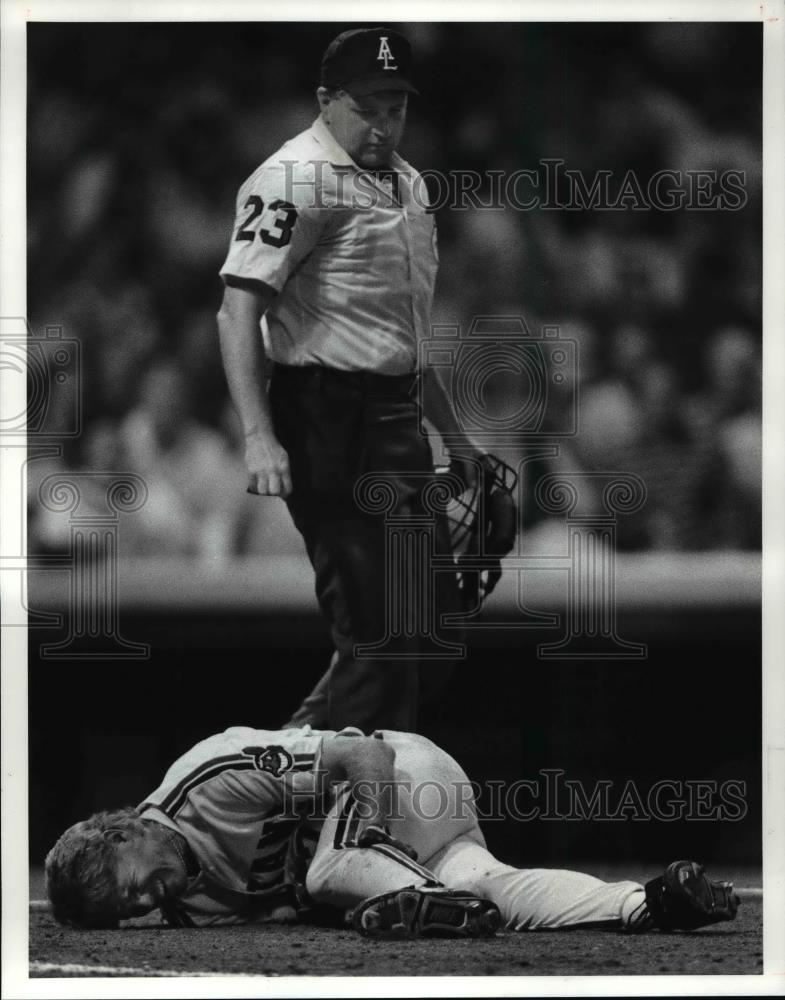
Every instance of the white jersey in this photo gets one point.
(353, 259)
(247, 801)
(268, 836)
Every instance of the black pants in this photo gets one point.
(337, 427)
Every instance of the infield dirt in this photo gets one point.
(296, 950)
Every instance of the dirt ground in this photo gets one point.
(148, 949)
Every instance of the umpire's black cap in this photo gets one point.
(367, 60)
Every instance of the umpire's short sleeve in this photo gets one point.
(278, 222)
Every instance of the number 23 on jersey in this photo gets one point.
(279, 230)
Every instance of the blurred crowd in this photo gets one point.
(140, 134)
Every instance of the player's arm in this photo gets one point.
(247, 372)
(367, 764)
(438, 409)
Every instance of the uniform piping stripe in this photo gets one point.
(640, 918)
(235, 762)
(175, 800)
(345, 822)
(352, 826)
(226, 760)
(346, 836)
(405, 860)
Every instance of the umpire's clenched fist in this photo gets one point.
(268, 467)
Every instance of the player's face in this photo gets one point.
(369, 128)
(149, 871)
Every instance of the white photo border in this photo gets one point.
(15, 15)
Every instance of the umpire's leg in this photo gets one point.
(348, 559)
(337, 427)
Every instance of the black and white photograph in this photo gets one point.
(391, 564)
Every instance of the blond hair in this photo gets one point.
(81, 880)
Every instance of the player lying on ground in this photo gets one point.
(254, 826)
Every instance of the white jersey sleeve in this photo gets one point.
(278, 223)
(242, 800)
(242, 770)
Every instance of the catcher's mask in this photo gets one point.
(483, 525)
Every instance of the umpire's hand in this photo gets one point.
(268, 467)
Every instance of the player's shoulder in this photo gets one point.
(239, 742)
(242, 745)
(235, 738)
(302, 736)
(400, 739)
(295, 172)
(298, 151)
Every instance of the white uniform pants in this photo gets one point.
(433, 811)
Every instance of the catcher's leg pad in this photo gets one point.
(684, 898)
(426, 911)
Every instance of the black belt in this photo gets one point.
(371, 383)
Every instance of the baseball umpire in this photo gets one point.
(334, 257)
(255, 826)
